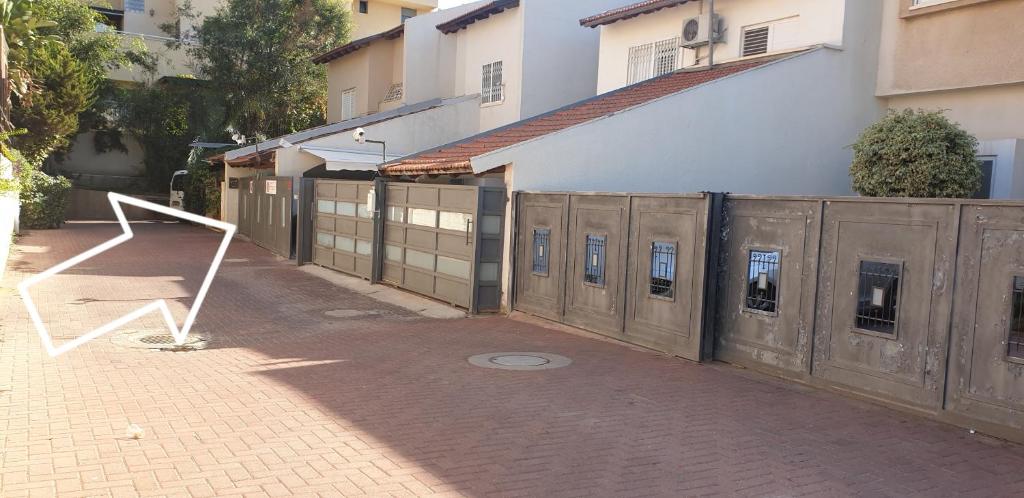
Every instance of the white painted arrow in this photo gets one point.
(179, 334)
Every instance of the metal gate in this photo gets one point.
(442, 241)
(629, 267)
(343, 232)
(265, 212)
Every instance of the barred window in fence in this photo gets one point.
(593, 269)
(491, 83)
(652, 59)
(1015, 348)
(663, 269)
(541, 248)
(878, 296)
(763, 272)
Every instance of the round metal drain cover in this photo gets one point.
(151, 339)
(157, 339)
(520, 361)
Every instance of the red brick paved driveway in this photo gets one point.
(289, 401)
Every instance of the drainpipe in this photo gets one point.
(711, 33)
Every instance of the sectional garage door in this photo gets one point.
(343, 230)
(443, 241)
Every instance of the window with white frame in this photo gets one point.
(491, 87)
(652, 59)
(348, 104)
(768, 37)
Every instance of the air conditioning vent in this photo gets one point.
(700, 30)
(755, 41)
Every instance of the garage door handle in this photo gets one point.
(469, 230)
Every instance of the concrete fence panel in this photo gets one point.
(767, 279)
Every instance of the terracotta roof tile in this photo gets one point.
(629, 11)
(455, 158)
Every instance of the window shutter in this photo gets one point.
(755, 41)
(348, 104)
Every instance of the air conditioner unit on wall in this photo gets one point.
(700, 30)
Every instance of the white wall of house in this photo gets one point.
(559, 56)
(229, 196)
(497, 38)
(797, 23)
(404, 135)
(782, 128)
(1008, 168)
(430, 55)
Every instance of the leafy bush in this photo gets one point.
(202, 195)
(44, 200)
(915, 154)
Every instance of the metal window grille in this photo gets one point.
(666, 56)
(639, 64)
(1015, 343)
(394, 93)
(541, 249)
(652, 59)
(763, 272)
(593, 269)
(663, 269)
(877, 296)
(491, 88)
(755, 41)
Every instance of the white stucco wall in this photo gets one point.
(559, 56)
(404, 135)
(430, 55)
(813, 22)
(497, 38)
(229, 196)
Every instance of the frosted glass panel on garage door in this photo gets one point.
(455, 221)
(419, 259)
(423, 217)
(453, 267)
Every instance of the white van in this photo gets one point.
(178, 189)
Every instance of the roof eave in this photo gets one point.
(628, 12)
(479, 14)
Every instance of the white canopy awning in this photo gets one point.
(347, 159)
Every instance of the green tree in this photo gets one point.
(258, 54)
(915, 153)
(59, 63)
(165, 117)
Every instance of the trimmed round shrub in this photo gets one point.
(915, 153)
(44, 200)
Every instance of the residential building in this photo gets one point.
(775, 120)
(135, 22)
(965, 57)
(370, 17)
(523, 57)
(510, 58)
(142, 21)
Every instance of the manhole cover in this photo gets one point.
(157, 339)
(152, 339)
(520, 361)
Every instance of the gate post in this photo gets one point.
(380, 194)
(713, 244)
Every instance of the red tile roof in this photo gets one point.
(455, 158)
(478, 14)
(352, 46)
(629, 11)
